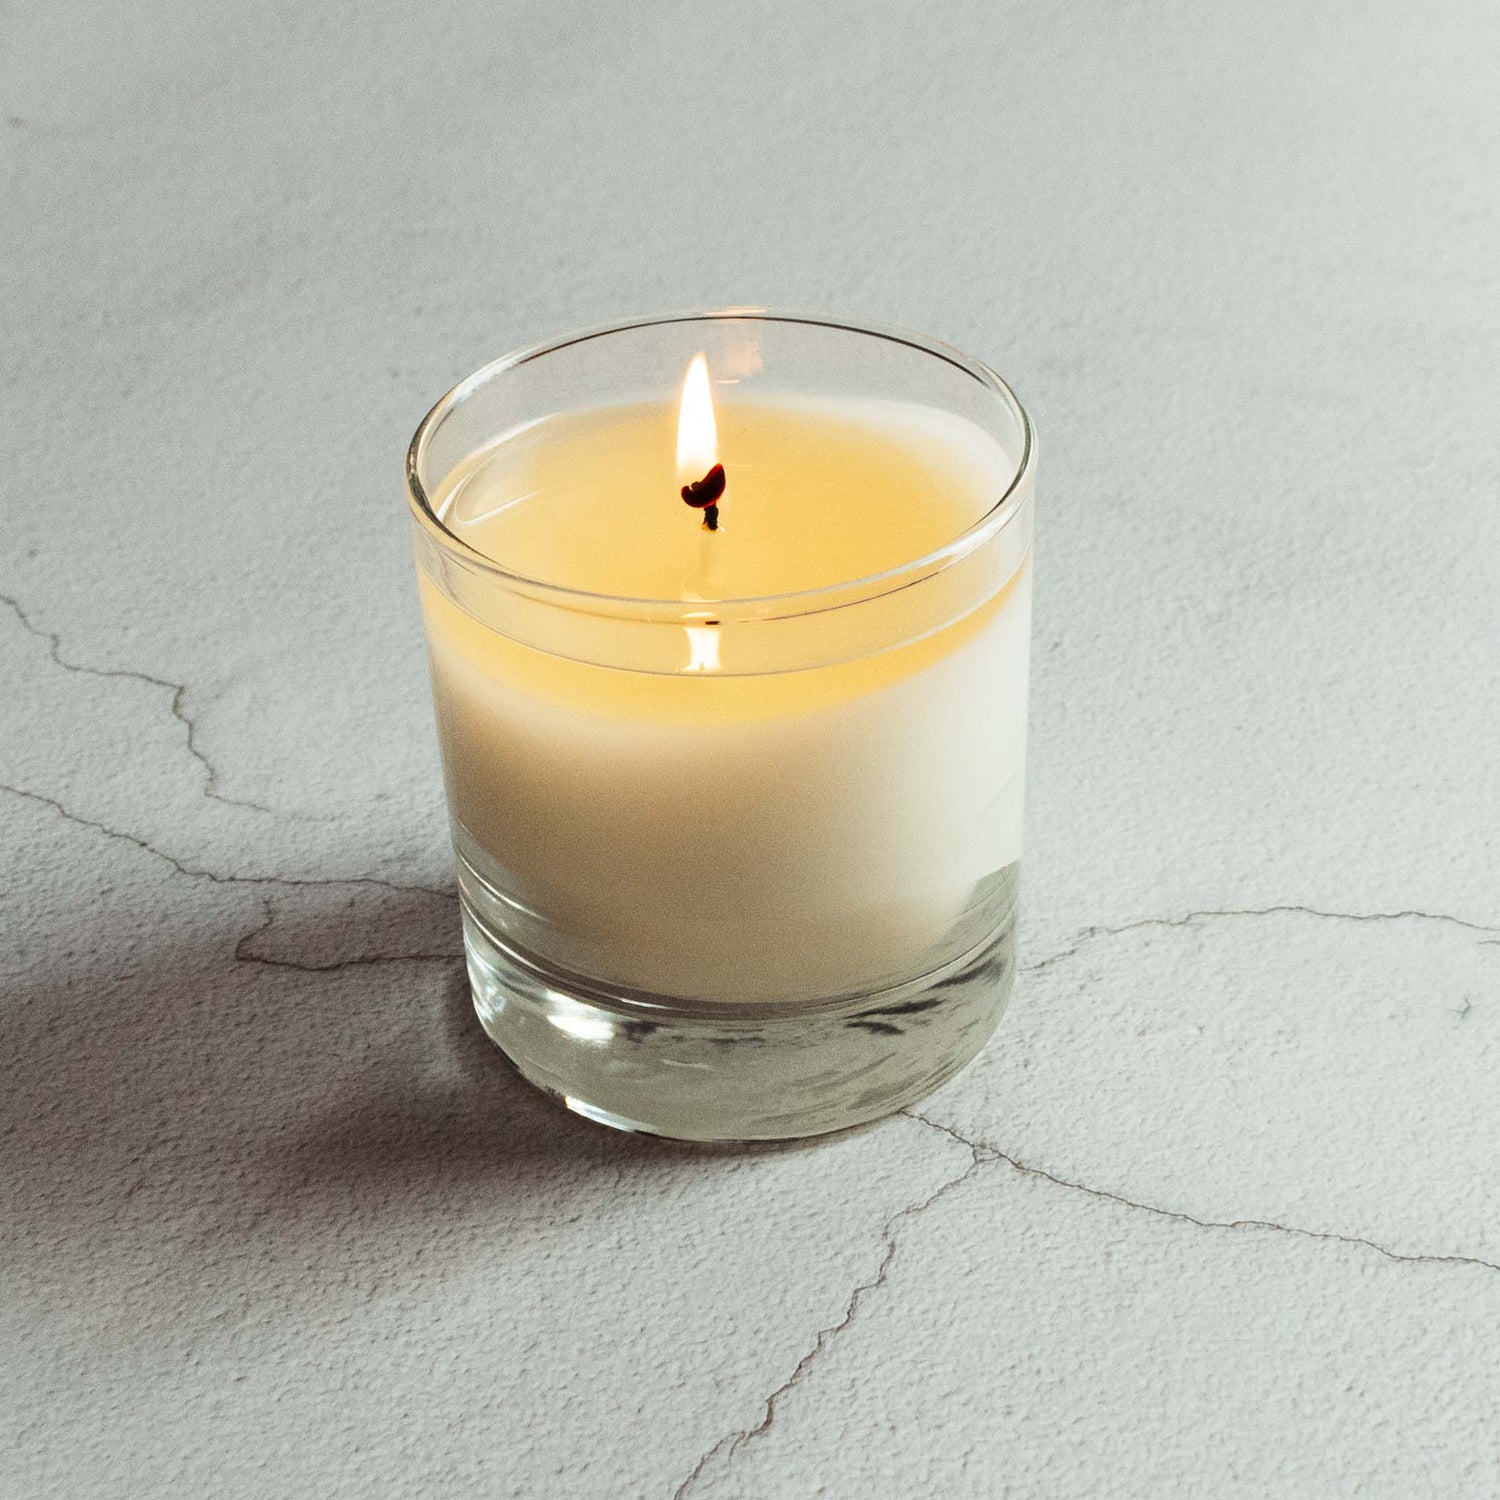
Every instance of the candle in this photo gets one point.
(730, 689)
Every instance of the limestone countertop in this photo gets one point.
(1217, 1213)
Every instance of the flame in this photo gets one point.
(697, 432)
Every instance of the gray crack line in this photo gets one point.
(242, 957)
(983, 1152)
(731, 1443)
(344, 963)
(178, 690)
(1092, 934)
(1026, 1170)
(200, 872)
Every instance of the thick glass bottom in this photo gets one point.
(749, 1072)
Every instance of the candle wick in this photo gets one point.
(704, 494)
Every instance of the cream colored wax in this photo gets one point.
(706, 828)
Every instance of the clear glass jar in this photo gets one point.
(733, 865)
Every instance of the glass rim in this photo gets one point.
(758, 606)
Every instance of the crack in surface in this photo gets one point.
(202, 872)
(1027, 1170)
(178, 690)
(268, 921)
(1093, 934)
(344, 963)
(731, 1443)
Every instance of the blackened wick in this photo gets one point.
(704, 494)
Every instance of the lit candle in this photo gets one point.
(731, 694)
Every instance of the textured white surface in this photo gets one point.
(1219, 1213)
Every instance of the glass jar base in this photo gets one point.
(744, 1072)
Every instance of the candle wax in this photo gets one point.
(741, 835)
(816, 496)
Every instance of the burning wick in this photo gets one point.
(698, 443)
(703, 494)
